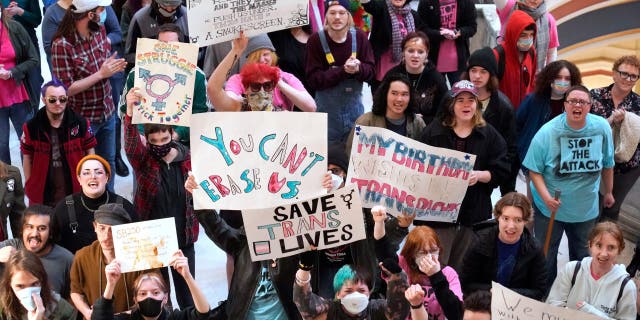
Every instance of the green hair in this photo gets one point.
(350, 273)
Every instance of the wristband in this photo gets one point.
(418, 306)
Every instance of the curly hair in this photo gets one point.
(379, 107)
(545, 78)
(24, 261)
(253, 72)
(630, 60)
(41, 210)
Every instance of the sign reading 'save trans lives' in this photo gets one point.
(405, 175)
(214, 21)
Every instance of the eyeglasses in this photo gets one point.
(97, 173)
(628, 76)
(266, 86)
(62, 99)
(578, 103)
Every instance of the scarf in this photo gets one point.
(539, 15)
(396, 32)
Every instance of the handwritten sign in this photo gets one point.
(408, 176)
(217, 21)
(166, 74)
(507, 304)
(145, 245)
(252, 160)
(580, 154)
(324, 222)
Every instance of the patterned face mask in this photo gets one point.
(260, 101)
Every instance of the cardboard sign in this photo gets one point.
(507, 304)
(217, 21)
(324, 222)
(165, 72)
(405, 175)
(145, 245)
(252, 160)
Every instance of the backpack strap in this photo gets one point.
(622, 285)
(71, 211)
(575, 273)
(501, 62)
(327, 51)
(119, 200)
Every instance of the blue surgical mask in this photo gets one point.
(559, 87)
(26, 299)
(103, 16)
(524, 44)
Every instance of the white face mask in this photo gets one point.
(355, 302)
(24, 295)
(336, 180)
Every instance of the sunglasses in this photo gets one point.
(62, 99)
(257, 86)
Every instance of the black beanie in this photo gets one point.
(483, 58)
(336, 155)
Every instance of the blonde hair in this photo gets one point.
(254, 57)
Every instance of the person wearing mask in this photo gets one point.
(547, 38)
(74, 215)
(507, 253)
(463, 128)
(427, 84)
(394, 20)
(449, 24)
(152, 295)
(496, 107)
(516, 58)
(81, 58)
(11, 199)
(52, 144)
(612, 102)
(339, 59)
(597, 284)
(17, 97)
(25, 292)
(161, 167)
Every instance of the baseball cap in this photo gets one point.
(463, 86)
(86, 5)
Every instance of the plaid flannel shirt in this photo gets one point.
(78, 58)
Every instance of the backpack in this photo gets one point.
(501, 60)
(622, 285)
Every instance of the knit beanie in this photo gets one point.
(337, 156)
(345, 3)
(96, 157)
(483, 58)
(258, 42)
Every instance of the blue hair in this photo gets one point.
(55, 82)
(350, 273)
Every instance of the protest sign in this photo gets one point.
(145, 245)
(405, 175)
(324, 222)
(252, 160)
(507, 304)
(165, 72)
(217, 21)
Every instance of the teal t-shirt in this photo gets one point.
(571, 161)
(266, 304)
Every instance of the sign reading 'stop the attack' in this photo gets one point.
(165, 72)
(251, 160)
(215, 21)
(407, 176)
(324, 222)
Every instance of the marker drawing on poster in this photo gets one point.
(252, 160)
(216, 21)
(324, 222)
(165, 72)
(507, 304)
(405, 175)
(145, 245)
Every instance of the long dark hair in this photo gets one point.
(27, 261)
(67, 27)
(550, 72)
(379, 107)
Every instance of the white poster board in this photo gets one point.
(507, 304)
(145, 245)
(217, 21)
(252, 160)
(165, 72)
(324, 222)
(405, 175)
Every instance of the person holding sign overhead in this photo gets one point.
(596, 284)
(152, 295)
(571, 153)
(463, 128)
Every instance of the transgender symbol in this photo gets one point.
(149, 79)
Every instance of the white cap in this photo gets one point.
(86, 5)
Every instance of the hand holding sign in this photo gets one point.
(180, 263)
(112, 272)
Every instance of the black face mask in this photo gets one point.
(94, 26)
(160, 151)
(150, 307)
